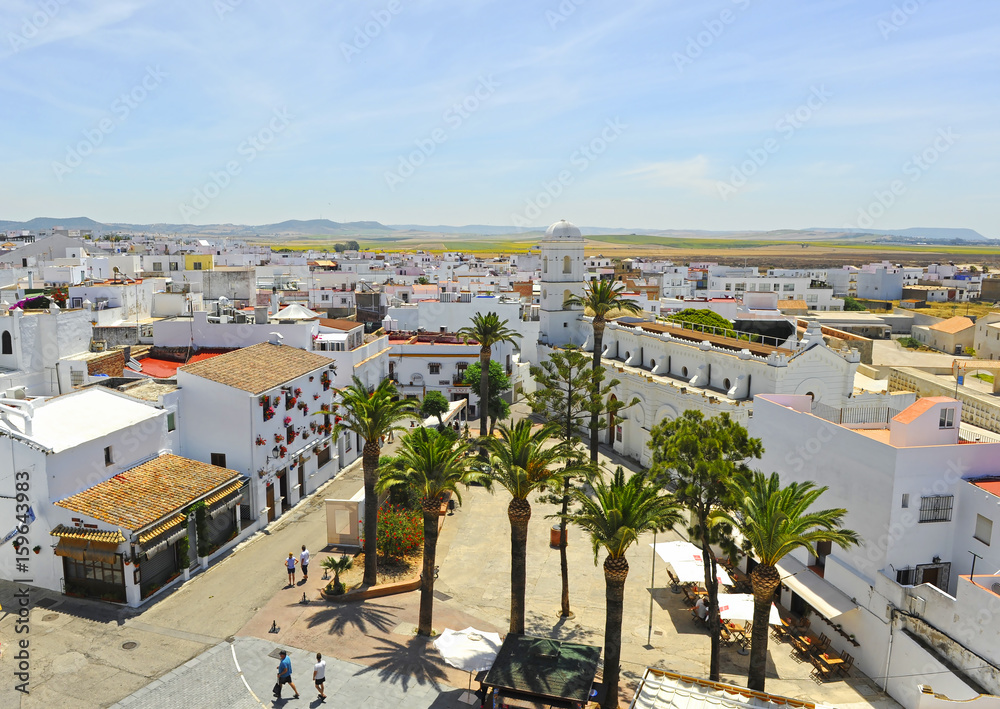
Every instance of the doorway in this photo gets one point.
(302, 479)
(283, 489)
(270, 503)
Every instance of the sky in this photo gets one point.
(659, 114)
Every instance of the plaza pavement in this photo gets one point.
(191, 642)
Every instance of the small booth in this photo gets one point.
(539, 673)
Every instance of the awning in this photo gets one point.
(147, 537)
(224, 499)
(87, 544)
(825, 598)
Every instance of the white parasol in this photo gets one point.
(694, 572)
(677, 551)
(470, 650)
(739, 606)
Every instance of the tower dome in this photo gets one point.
(563, 230)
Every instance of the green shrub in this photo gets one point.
(399, 532)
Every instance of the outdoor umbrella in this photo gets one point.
(694, 572)
(470, 650)
(739, 606)
(677, 551)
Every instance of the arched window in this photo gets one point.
(7, 346)
(684, 371)
(727, 385)
(567, 294)
(567, 264)
(545, 264)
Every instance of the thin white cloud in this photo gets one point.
(690, 174)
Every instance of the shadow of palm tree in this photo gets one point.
(560, 629)
(403, 662)
(365, 617)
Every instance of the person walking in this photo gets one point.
(284, 675)
(290, 565)
(319, 675)
(304, 562)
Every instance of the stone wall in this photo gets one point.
(109, 363)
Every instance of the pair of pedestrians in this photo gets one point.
(303, 560)
(285, 675)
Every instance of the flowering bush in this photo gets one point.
(261, 440)
(282, 450)
(268, 413)
(288, 420)
(292, 435)
(325, 380)
(278, 438)
(315, 397)
(290, 403)
(298, 393)
(399, 531)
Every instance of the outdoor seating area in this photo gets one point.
(826, 663)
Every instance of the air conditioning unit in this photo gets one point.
(17, 393)
(917, 605)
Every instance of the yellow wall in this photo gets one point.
(207, 262)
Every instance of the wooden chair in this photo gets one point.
(824, 643)
(821, 670)
(844, 668)
(726, 637)
(674, 581)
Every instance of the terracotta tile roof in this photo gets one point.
(339, 323)
(990, 486)
(140, 496)
(919, 407)
(90, 535)
(954, 325)
(258, 368)
(223, 493)
(792, 304)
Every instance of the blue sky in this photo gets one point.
(723, 114)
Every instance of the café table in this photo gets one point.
(739, 633)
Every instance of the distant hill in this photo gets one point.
(321, 226)
(927, 233)
(40, 223)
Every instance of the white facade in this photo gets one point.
(906, 490)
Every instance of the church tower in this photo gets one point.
(562, 275)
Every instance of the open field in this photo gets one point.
(779, 253)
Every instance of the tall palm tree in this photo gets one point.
(371, 415)
(773, 521)
(431, 464)
(487, 330)
(601, 298)
(615, 516)
(522, 462)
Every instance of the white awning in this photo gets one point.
(825, 598)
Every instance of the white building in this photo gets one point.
(562, 276)
(922, 503)
(269, 430)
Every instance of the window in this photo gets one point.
(936, 508)
(108, 457)
(905, 577)
(8, 343)
(157, 265)
(76, 377)
(906, 501)
(197, 265)
(984, 529)
(171, 421)
(947, 419)
(325, 296)
(173, 265)
(729, 286)
(434, 368)
(788, 287)
(219, 459)
(567, 264)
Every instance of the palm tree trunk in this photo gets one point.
(519, 514)
(431, 516)
(595, 414)
(369, 464)
(615, 573)
(764, 579)
(563, 561)
(484, 387)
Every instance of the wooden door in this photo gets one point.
(302, 479)
(270, 503)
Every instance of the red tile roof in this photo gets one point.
(912, 412)
(259, 367)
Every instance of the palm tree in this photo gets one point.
(773, 521)
(487, 330)
(601, 298)
(522, 462)
(618, 513)
(338, 566)
(431, 464)
(371, 415)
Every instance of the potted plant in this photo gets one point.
(37, 549)
(337, 566)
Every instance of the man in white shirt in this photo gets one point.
(701, 608)
(319, 674)
(304, 562)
